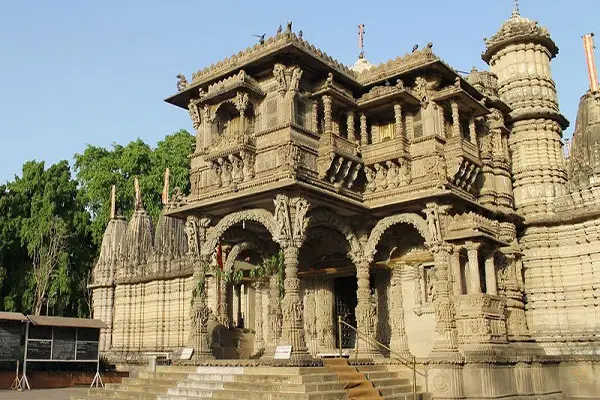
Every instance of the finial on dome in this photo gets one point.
(165, 192)
(361, 40)
(113, 202)
(516, 10)
(138, 194)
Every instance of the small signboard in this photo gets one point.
(283, 352)
(186, 353)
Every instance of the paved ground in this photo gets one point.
(42, 394)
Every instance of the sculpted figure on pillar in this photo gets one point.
(290, 215)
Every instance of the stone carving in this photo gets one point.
(290, 214)
(182, 83)
(194, 114)
(191, 230)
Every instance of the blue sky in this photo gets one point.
(78, 72)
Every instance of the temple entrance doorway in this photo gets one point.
(345, 306)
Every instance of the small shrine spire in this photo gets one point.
(361, 40)
(165, 192)
(138, 194)
(588, 47)
(113, 202)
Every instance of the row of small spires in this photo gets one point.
(138, 194)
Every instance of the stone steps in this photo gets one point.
(218, 382)
(336, 381)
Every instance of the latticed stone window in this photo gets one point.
(272, 115)
(301, 113)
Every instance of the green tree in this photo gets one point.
(99, 168)
(48, 247)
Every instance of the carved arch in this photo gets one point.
(328, 218)
(377, 232)
(258, 215)
(236, 250)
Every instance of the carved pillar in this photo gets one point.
(491, 285)
(473, 276)
(259, 342)
(315, 116)
(445, 343)
(199, 338)
(516, 322)
(274, 317)
(241, 104)
(310, 316)
(455, 119)
(364, 135)
(327, 114)
(456, 275)
(243, 318)
(472, 131)
(398, 119)
(350, 126)
(235, 306)
(398, 340)
(366, 314)
(292, 332)
(222, 303)
(410, 130)
(324, 312)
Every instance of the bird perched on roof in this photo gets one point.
(279, 30)
(300, 34)
(261, 38)
(415, 47)
(430, 45)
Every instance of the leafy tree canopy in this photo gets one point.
(99, 168)
(51, 225)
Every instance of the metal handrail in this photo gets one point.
(412, 364)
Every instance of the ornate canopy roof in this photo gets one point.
(518, 29)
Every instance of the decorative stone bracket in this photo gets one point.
(337, 161)
(463, 163)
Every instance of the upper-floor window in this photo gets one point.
(386, 131)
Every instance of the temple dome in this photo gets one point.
(362, 64)
(137, 243)
(170, 240)
(103, 271)
(518, 29)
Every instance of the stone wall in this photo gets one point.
(152, 316)
(562, 280)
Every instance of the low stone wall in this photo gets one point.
(58, 379)
(580, 379)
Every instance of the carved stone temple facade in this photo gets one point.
(434, 211)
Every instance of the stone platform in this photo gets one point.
(261, 382)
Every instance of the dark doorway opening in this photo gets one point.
(345, 306)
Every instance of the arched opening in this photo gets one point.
(237, 290)
(328, 283)
(402, 251)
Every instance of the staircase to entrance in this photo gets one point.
(335, 380)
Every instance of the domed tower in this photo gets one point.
(103, 274)
(519, 54)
